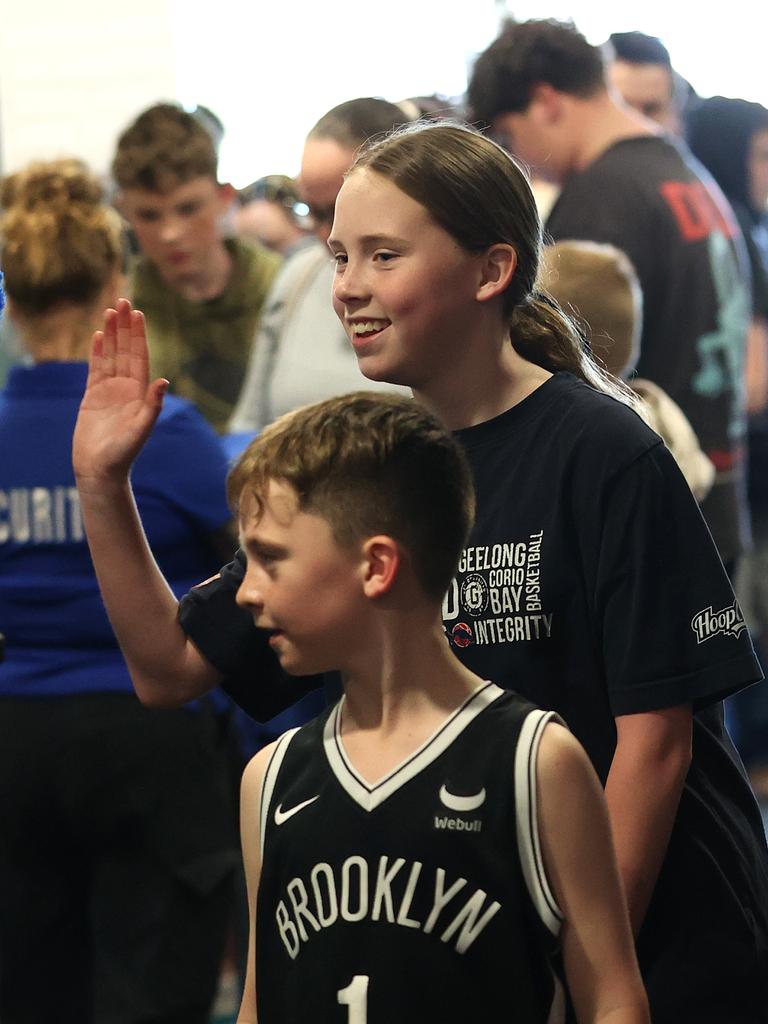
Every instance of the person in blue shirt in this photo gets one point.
(118, 844)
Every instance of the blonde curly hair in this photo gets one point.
(60, 242)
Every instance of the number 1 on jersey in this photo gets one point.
(355, 996)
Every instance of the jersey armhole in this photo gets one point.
(528, 842)
(270, 779)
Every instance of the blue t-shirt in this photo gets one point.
(58, 638)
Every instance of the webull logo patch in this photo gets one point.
(457, 824)
(728, 621)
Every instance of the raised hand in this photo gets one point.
(120, 405)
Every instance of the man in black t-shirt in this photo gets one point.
(541, 87)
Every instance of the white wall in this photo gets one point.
(719, 49)
(271, 69)
(73, 74)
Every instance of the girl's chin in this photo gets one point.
(381, 372)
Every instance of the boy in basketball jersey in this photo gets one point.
(432, 848)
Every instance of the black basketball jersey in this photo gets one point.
(420, 898)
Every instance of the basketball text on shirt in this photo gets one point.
(498, 593)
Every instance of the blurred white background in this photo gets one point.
(72, 76)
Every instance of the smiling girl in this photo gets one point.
(590, 581)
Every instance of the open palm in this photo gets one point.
(119, 406)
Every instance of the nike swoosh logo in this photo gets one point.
(462, 803)
(282, 816)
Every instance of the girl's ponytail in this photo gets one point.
(544, 334)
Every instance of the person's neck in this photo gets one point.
(63, 335)
(598, 123)
(406, 684)
(211, 281)
(493, 379)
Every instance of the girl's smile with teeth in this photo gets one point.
(360, 327)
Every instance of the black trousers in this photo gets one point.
(117, 853)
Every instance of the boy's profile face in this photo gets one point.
(299, 584)
(178, 230)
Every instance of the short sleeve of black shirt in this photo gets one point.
(225, 634)
(672, 632)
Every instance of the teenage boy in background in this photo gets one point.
(202, 293)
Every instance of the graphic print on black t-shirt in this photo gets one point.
(496, 596)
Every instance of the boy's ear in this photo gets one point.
(498, 267)
(382, 558)
(547, 104)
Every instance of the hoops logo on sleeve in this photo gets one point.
(728, 621)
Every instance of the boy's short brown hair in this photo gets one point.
(370, 463)
(597, 283)
(163, 148)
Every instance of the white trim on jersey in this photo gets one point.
(371, 796)
(528, 841)
(270, 779)
(558, 1008)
